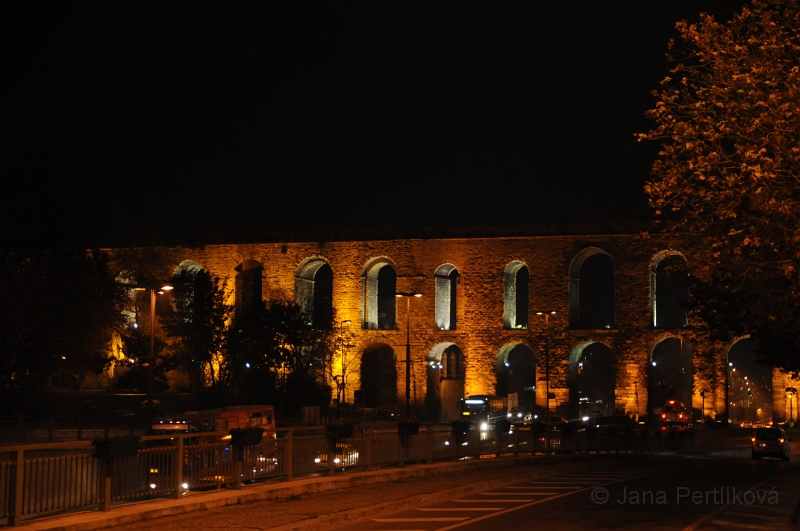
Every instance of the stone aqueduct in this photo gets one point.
(618, 338)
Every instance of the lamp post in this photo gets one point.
(408, 345)
(791, 391)
(154, 288)
(728, 377)
(547, 314)
(344, 382)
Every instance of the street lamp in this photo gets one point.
(791, 391)
(154, 288)
(547, 314)
(344, 383)
(408, 345)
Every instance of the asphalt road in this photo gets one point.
(718, 489)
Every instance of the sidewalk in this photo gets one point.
(298, 504)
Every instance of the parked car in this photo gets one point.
(344, 455)
(771, 442)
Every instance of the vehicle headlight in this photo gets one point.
(336, 460)
(484, 426)
(317, 460)
(185, 486)
(152, 486)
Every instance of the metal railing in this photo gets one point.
(49, 429)
(41, 479)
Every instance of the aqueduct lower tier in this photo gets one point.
(596, 319)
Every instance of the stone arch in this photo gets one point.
(378, 300)
(669, 290)
(592, 380)
(248, 285)
(516, 292)
(313, 291)
(670, 374)
(445, 381)
(515, 367)
(750, 385)
(592, 290)
(446, 277)
(379, 376)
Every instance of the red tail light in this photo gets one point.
(780, 440)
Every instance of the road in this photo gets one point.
(715, 487)
(718, 489)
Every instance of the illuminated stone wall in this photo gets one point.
(480, 334)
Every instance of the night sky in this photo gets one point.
(169, 121)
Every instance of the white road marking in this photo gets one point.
(731, 523)
(537, 502)
(537, 493)
(544, 487)
(497, 501)
(432, 519)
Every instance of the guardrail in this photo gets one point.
(41, 479)
(40, 429)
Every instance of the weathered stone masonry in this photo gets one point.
(480, 334)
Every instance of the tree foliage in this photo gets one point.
(58, 310)
(196, 324)
(275, 339)
(728, 117)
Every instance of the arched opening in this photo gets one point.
(592, 381)
(515, 296)
(591, 290)
(670, 291)
(516, 375)
(750, 394)
(248, 285)
(445, 381)
(446, 296)
(670, 374)
(378, 377)
(379, 303)
(313, 292)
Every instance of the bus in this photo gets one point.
(208, 458)
(216, 421)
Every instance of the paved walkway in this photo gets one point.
(310, 503)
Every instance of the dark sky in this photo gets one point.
(175, 119)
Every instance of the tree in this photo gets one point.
(58, 310)
(728, 117)
(275, 342)
(196, 324)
